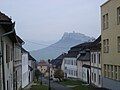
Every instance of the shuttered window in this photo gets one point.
(8, 55)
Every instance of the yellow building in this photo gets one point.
(43, 66)
(110, 34)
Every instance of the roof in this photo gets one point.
(30, 68)
(58, 61)
(86, 66)
(31, 57)
(96, 45)
(43, 63)
(74, 51)
(4, 18)
(20, 40)
(84, 56)
(72, 54)
(23, 50)
(7, 24)
(83, 45)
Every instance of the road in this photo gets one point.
(55, 85)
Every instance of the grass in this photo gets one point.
(39, 87)
(78, 85)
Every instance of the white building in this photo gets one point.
(18, 64)
(8, 38)
(70, 67)
(69, 64)
(31, 67)
(25, 69)
(83, 61)
(96, 63)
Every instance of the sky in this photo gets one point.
(42, 22)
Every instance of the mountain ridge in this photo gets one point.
(63, 45)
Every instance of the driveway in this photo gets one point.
(55, 85)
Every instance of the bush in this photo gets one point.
(59, 74)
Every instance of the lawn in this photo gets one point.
(78, 85)
(39, 87)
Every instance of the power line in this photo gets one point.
(36, 43)
(40, 44)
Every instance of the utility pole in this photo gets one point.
(49, 74)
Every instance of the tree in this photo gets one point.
(59, 74)
(37, 74)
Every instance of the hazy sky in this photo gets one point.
(45, 21)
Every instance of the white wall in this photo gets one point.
(8, 66)
(70, 67)
(85, 75)
(17, 66)
(25, 71)
(96, 69)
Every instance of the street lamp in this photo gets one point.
(49, 74)
(41, 79)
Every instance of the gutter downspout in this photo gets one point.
(2, 56)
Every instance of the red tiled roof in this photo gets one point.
(43, 63)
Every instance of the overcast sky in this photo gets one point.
(45, 21)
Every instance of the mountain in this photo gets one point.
(63, 45)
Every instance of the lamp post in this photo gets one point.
(49, 74)
(41, 78)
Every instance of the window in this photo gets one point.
(94, 77)
(8, 55)
(112, 72)
(106, 45)
(76, 73)
(41, 69)
(94, 58)
(99, 58)
(108, 70)
(119, 73)
(105, 70)
(99, 79)
(105, 21)
(116, 75)
(118, 15)
(118, 40)
(12, 54)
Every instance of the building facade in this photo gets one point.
(69, 64)
(8, 38)
(83, 61)
(18, 64)
(25, 68)
(96, 62)
(70, 67)
(31, 67)
(110, 35)
(43, 66)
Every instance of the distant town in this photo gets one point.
(92, 64)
